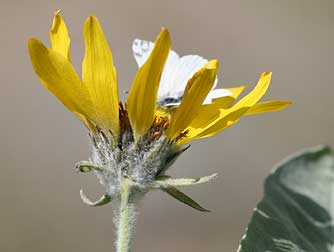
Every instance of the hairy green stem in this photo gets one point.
(126, 217)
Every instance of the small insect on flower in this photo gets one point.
(173, 100)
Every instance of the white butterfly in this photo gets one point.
(177, 71)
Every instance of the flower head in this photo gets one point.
(173, 100)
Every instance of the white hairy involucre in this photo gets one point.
(139, 162)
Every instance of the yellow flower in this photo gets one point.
(94, 97)
(142, 122)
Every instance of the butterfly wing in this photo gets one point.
(141, 51)
(177, 71)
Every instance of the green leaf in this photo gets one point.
(296, 213)
(177, 194)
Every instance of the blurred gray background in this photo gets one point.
(41, 141)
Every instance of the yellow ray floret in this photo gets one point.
(271, 106)
(99, 76)
(58, 75)
(60, 42)
(59, 37)
(226, 101)
(195, 93)
(227, 117)
(142, 97)
(213, 119)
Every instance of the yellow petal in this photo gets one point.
(99, 76)
(257, 93)
(60, 40)
(228, 120)
(271, 106)
(226, 101)
(86, 121)
(58, 75)
(195, 93)
(143, 93)
(259, 108)
(210, 112)
(227, 117)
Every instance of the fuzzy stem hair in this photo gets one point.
(126, 217)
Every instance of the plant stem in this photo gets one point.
(126, 218)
